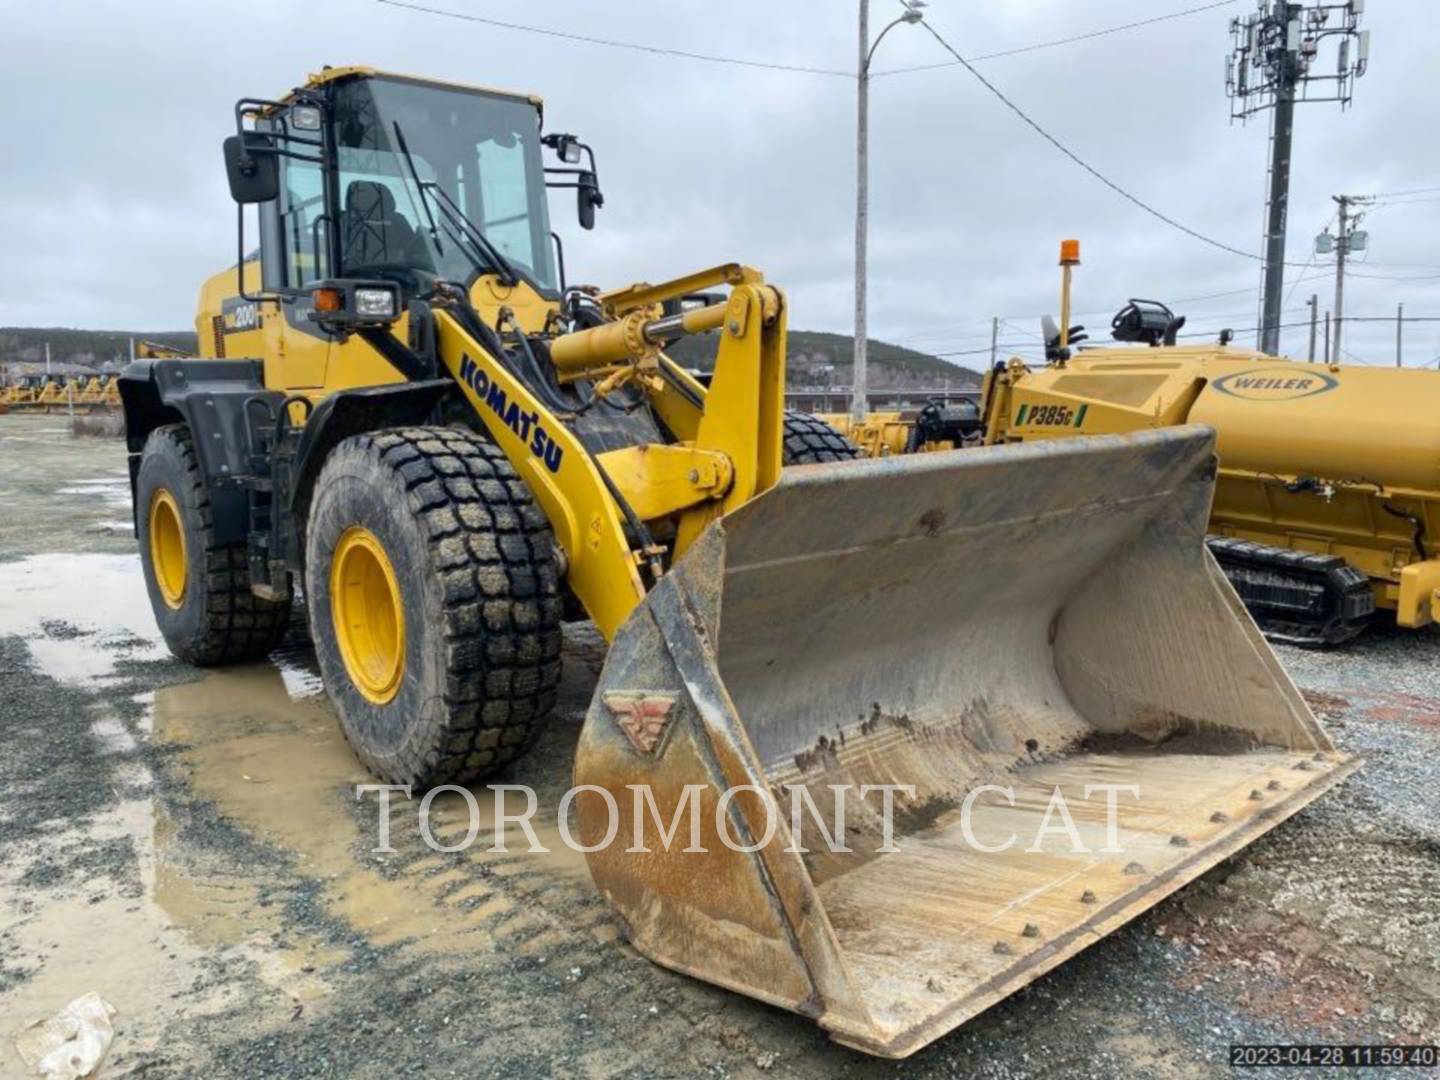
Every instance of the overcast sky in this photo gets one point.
(113, 205)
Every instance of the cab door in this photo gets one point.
(294, 256)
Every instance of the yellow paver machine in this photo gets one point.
(404, 408)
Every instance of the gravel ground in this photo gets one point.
(192, 848)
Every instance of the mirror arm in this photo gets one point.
(240, 257)
(559, 260)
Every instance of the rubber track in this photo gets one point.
(1296, 597)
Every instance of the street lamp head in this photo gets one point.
(913, 11)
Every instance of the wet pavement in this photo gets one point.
(191, 846)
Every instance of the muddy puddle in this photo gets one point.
(189, 920)
(79, 615)
(280, 768)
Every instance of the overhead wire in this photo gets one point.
(1081, 162)
(714, 58)
(1060, 41)
(615, 43)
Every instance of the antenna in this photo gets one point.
(1273, 65)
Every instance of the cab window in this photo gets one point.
(302, 201)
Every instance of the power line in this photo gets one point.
(986, 349)
(1391, 318)
(1392, 277)
(709, 58)
(1406, 202)
(1403, 265)
(1096, 173)
(1239, 329)
(616, 44)
(1412, 191)
(1061, 41)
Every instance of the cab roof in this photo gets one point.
(332, 74)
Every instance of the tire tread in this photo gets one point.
(238, 625)
(493, 553)
(810, 441)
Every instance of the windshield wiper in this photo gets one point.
(420, 187)
(456, 219)
(503, 266)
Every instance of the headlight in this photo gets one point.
(375, 303)
(305, 118)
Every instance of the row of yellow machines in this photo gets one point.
(57, 394)
(1327, 496)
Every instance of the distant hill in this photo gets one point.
(90, 348)
(815, 358)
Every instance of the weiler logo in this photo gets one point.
(1276, 383)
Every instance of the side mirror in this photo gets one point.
(570, 152)
(252, 167)
(587, 199)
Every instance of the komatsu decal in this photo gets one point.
(1275, 383)
(525, 424)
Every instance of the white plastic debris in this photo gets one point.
(71, 1044)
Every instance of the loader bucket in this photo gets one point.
(986, 627)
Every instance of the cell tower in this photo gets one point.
(1275, 61)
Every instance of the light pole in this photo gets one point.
(912, 15)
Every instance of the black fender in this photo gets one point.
(353, 412)
(224, 402)
(211, 397)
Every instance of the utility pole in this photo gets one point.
(1399, 322)
(1347, 239)
(1278, 198)
(859, 380)
(1314, 312)
(994, 337)
(1327, 337)
(1272, 65)
(1340, 250)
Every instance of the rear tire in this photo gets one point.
(809, 441)
(199, 588)
(471, 561)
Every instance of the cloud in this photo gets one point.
(113, 207)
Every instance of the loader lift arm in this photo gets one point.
(731, 454)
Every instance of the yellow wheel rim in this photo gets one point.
(167, 548)
(369, 619)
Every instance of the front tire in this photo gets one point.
(434, 604)
(199, 587)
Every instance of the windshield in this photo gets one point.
(478, 152)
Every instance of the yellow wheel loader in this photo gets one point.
(406, 411)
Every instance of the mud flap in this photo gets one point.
(964, 634)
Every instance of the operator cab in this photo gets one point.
(365, 176)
